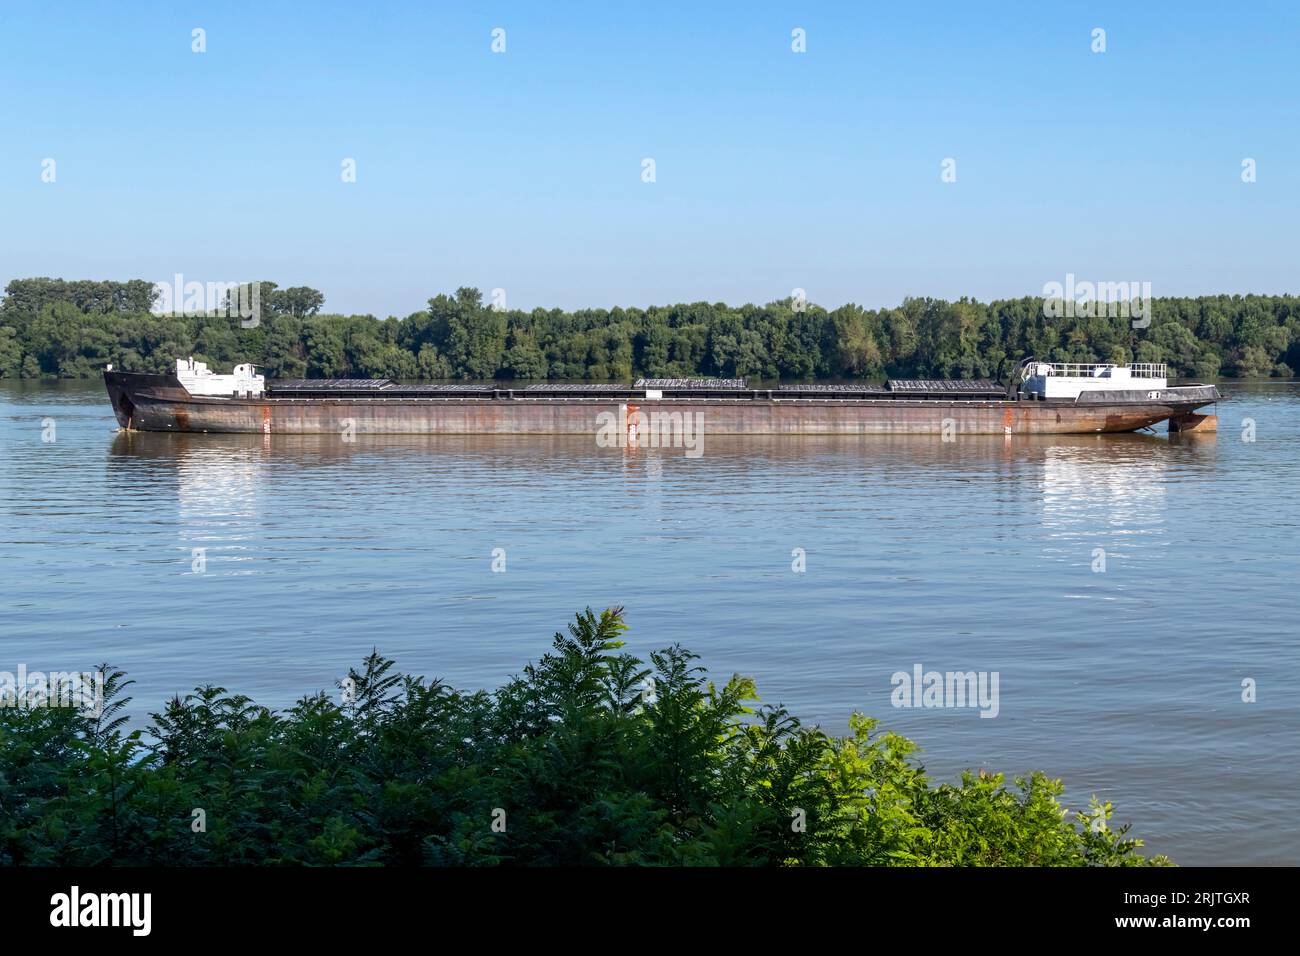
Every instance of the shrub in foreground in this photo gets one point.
(571, 763)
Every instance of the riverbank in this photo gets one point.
(590, 757)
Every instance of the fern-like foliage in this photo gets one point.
(590, 756)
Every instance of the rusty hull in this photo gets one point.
(158, 403)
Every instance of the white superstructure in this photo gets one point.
(198, 379)
(1068, 379)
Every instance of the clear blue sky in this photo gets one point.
(775, 170)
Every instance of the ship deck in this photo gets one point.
(709, 390)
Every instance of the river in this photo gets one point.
(1121, 587)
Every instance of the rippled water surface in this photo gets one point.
(973, 555)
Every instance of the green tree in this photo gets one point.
(72, 328)
(11, 352)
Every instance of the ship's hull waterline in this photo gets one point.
(159, 403)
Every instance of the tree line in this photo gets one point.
(575, 762)
(71, 329)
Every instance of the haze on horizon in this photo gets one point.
(774, 170)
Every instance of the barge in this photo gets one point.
(1040, 398)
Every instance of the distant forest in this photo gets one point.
(71, 329)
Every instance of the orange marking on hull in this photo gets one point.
(631, 425)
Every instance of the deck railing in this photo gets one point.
(1086, 370)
